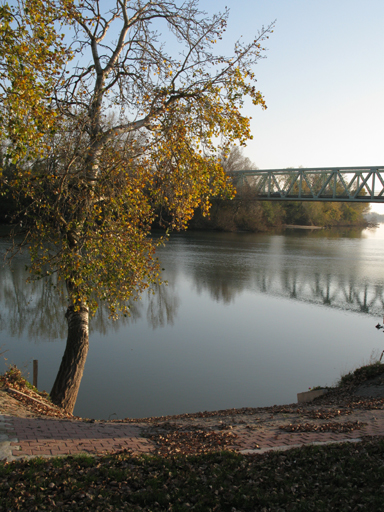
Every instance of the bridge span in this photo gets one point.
(346, 184)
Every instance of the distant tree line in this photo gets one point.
(246, 213)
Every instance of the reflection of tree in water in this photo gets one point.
(32, 308)
(162, 307)
(37, 309)
(223, 283)
(219, 268)
(332, 233)
(222, 269)
(279, 266)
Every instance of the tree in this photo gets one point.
(32, 55)
(134, 138)
(234, 160)
(225, 214)
(245, 212)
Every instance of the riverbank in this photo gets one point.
(246, 213)
(326, 455)
(294, 226)
(342, 414)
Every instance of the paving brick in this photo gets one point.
(50, 437)
(56, 453)
(20, 454)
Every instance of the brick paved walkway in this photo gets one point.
(272, 437)
(50, 437)
(26, 437)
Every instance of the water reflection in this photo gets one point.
(318, 269)
(37, 309)
(331, 290)
(232, 329)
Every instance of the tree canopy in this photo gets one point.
(32, 57)
(113, 116)
(135, 134)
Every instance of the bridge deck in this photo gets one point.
(347, 184)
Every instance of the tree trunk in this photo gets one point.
(67, 383)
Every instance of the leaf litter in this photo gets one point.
(335, 477)
(195, 468)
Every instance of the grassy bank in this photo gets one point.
(362, 374)
(340, 477)
(336, 477)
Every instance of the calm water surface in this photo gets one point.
(246, 320)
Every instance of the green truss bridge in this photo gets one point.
(352, 184)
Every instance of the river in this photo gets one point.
(246, 320)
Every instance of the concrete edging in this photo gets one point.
(308, 396)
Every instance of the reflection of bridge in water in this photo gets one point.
(331, 291)
(345, 184)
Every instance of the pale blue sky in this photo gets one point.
(323, 81)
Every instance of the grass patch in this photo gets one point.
(339, 477)
(362, 374)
